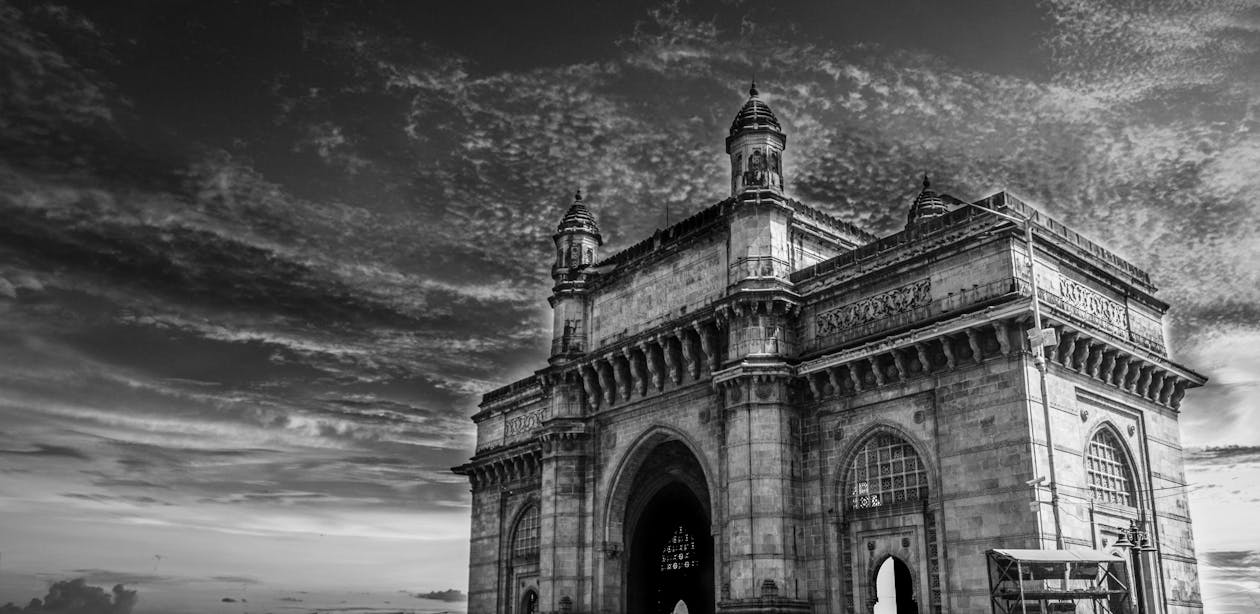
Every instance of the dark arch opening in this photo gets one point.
(899, 597)
(670, 556)
(529, 602)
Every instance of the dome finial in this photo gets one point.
(926, 183)
(752, 89)
(577, 196)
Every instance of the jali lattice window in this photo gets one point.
(886, 471)
(679, 552)
(1110, 478)
(525, 538)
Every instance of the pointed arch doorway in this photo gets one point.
(894, 588)
(669, 567)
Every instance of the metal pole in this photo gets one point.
(1039, 359)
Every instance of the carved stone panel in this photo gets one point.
(522, 424)
(898, 300)
(1094, 306)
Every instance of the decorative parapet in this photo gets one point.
(878, 307)
(1046, 227)
(511, 393)
(1087, 307)
(905, 306)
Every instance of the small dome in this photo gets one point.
(579, 219)
(755, 115)
(927, 205)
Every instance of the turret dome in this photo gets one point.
(927, 205)
(579, 219)
(755, 115)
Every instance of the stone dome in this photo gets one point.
(755, 115)
(927, 205)
(579, 219)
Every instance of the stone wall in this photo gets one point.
(645, 298)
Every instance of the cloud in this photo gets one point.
(106, 576)
(449, 595)
(50, 450)
(237, 579)
(1230, 579)
(76, 597)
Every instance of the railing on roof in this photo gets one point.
(963, 215)
(879, 246)
(667, 235)
(516, 387)
(1071, 236)
(811, 212)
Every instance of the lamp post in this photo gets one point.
(1036, 341)
(1136, 543)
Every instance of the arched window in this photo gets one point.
(1110, 476)
(525, 536)
(679, 552)
(885, 471)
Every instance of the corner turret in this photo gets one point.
(577, 240)
(756, 145)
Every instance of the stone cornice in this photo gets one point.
(909, 338)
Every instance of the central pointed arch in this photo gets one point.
(660, 508)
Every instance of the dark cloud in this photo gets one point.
(1217, 455)
(106, 576)
(50, 450)
(449, 595)
(103, 498)
(77, 597)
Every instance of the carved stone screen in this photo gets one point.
(679, 552)
(1110, 478)
(886, 471)
(525, 538)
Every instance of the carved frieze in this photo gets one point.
(898, 300)
(524, 423)
(1106, 311)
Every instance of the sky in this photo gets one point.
(258, 260)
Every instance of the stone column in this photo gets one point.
(763, 520)
(563, 567)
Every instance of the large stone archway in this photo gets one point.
(668, 535)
